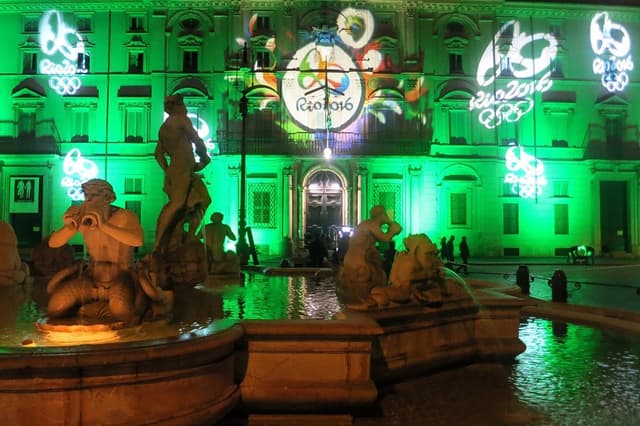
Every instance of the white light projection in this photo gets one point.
(323, 88)
(64, 47)
(78, 170)
(512, 53)
(611, 43)
(526, 173)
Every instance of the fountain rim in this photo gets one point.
(85, 355)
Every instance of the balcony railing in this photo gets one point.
(341, 144)
(597, 146)
(43, 139)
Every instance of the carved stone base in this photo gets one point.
(77, 331)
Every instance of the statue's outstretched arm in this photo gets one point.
(71, 220)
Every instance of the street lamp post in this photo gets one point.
(242, 247)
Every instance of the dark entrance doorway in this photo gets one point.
(614, 217)
(324, 202)
(26, 209)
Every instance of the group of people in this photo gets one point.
(447, 253)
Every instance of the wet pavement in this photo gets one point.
(608, 283)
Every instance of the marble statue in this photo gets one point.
(174, 141)
(417, 275)
(109, 288)
(362, 267)
(179, 251)
(12, 269)
(221, 262)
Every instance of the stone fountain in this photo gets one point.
(111, 349)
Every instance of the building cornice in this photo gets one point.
(488, 8)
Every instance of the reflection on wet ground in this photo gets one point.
(569, 375)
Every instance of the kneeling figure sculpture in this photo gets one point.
(109, 288)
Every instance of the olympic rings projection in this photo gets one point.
(507, 55)
(58, 39)
(526, 173)
(78, 170)
(611, 43)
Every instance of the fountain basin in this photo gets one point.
(158, 382)
(196, 375)
(333, 366)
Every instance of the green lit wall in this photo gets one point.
(416, 74)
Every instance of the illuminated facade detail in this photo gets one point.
(59, 40)
(304, 91)
(611, 43)
(526, 173)
(323, 88)
(511, 53)
(409, 118)
(77, 170)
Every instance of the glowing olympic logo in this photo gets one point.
(611, 43)
(58, 38)
(324, 89)
(526, 173)
(78, 170)
(531, 75)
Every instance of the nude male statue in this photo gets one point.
(362, 262)
(110, 233)
(216, 233)
(174, 141)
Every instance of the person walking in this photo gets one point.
(464, 254)
(443, 248)
(449, 253)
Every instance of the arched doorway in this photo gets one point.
(325, 202)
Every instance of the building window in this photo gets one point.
(458, 206)
(556, 68)
(26, 124)
(561, 219)
(455, 64)
(510, 189)
(263, 59)
(510, 218)
(84, 24)
(135, 125)
(133, 185)
(136, 62)
(136, 24)
(31, 24)
(262, 205)
(459, 126)
(190, 61)
(388, 194)
(263, 23)
(29, 63)
(508, 133)
(80, 125)
(561, 188)
(134, 206)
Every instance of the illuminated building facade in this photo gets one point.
(512, 123)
